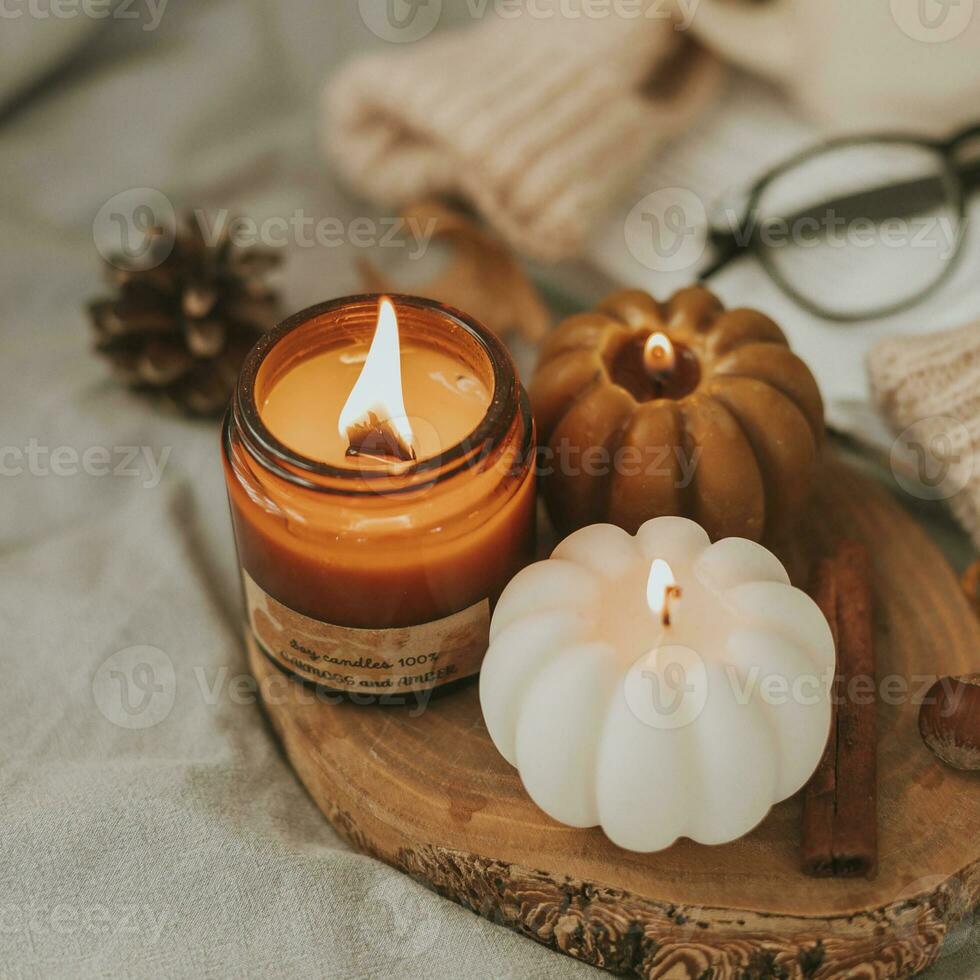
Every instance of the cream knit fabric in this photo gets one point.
(933, 383)
(536, 121)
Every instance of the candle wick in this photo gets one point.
(378, 439)
(671, 592)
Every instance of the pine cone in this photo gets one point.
(182, 326)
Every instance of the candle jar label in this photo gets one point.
(369, 661)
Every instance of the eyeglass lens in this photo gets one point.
(860, 228)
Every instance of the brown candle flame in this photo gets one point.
(659, 357)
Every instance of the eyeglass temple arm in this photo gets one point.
(876, 204)
(970, 176)
(727, 247)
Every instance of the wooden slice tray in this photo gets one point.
(431, 796)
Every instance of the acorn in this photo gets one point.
(949, 721)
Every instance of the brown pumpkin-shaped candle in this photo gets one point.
(646, 408)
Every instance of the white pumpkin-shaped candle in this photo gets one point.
(659, 685)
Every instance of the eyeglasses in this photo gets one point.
(858, 227)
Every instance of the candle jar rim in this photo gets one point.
(508, 399)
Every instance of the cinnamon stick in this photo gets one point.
(819, 798)
(840, 820)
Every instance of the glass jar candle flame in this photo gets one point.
(369, 578)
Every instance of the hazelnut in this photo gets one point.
(949, 721)
(971, 585)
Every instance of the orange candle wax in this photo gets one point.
(381, 501)
(444, 401)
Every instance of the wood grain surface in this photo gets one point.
(427, 793)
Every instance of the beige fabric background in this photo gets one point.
(185, 848)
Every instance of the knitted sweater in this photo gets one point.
(536, 121)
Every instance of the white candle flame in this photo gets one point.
(378, 389)
(661, 587)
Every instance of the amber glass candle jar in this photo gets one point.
(368, 578)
